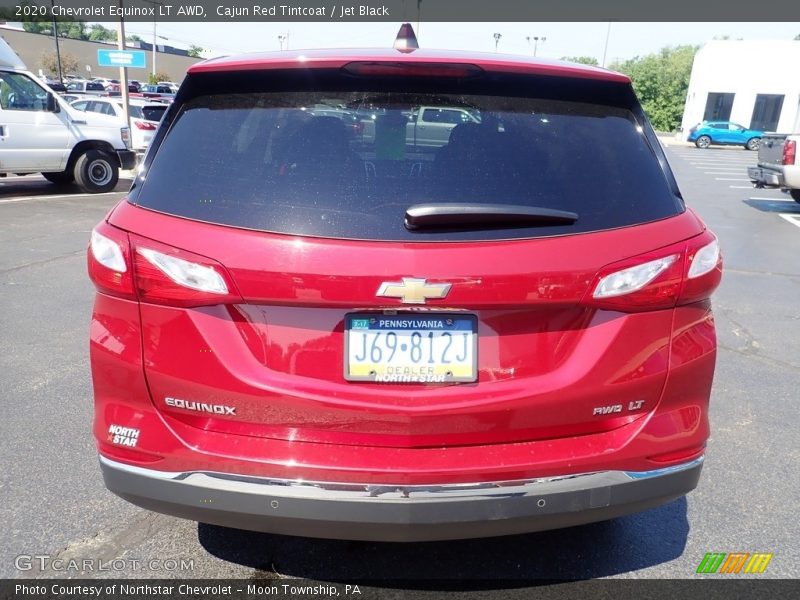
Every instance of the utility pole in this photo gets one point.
(55, 35)
(123, 71)
(497, 37)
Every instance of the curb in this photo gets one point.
(671, 140)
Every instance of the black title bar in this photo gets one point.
(265, 11)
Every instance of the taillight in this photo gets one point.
(144, 126)
(167, 275)
(134, 267)
(108, 259)
(679, 274)
(704, 269)
(789, 152)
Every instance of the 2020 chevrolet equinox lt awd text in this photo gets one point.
(312, 326)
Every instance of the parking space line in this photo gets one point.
(722, 165)
(792, 218)
(741, 187)
(53, 197)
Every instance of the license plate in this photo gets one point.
(411, 348)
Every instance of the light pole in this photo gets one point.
(154, 2)
(154, 50)
(536, 40)
(605, 50)
(497, 37)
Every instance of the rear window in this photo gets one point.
(347, 163)
(153, 113)
(94, 86)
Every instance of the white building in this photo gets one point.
(753, 83)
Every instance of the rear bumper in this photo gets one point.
(765, 177)
(398, 512)
(127, 159)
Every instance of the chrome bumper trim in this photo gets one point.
(331, 490)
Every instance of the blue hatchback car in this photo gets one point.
(726, 133)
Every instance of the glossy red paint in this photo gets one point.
(677, 422)
(547, 361)
(334, 59)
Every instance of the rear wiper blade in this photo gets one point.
(473, 215)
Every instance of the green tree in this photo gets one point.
(68, 29)
(661, 81)
(37, 26)
(41, 23)
(48, 61)
(195, 51)
(134, 38)
(583, 60)
(160, 76)
(38, 23)
(75, 30)
(98, 33)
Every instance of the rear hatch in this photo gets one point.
(381, 294)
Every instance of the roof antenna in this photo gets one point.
(406, 40)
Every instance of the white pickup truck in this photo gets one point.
(425, 126)
(779, 163)
(431, 125)
(40, 133)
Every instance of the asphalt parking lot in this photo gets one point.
(53, 502)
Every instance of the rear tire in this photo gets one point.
(97, 171)
(795, 194)
(60, 177)
(753, 143)
(703, 142)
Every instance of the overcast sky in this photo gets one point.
(563, 39)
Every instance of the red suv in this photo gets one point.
(309, 328)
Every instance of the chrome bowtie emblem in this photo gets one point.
(413, 290)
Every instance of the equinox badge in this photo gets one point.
(413, 290)
(216, 409)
